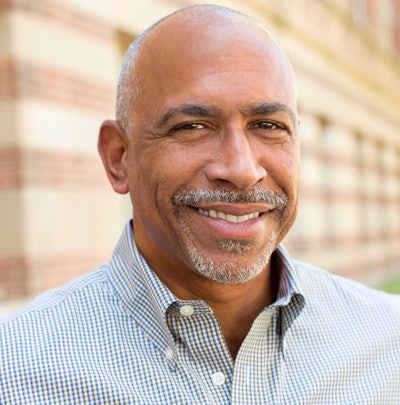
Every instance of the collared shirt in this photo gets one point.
(117, 335)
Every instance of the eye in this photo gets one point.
(268, 125)
(189, 126)
(271, 131)
(190, 131)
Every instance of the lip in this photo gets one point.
(244, 230)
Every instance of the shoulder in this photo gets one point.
(344, 332)
(59, 320)
(63, 335)
(344, 295)
(75, 294)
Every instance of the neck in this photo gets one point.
(235, 305)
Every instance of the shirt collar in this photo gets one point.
(132, 276)
(290, 283)
(143, 292)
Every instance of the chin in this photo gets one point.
(233, 267)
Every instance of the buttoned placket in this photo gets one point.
(258, 361)
(202, 348)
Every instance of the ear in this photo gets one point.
(113, 149)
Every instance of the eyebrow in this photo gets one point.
(266, 108)
(194, 109)
(202, 110)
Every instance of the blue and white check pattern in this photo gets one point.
(118, 336)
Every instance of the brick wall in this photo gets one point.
(59, 63)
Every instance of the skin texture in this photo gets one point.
(216, 111)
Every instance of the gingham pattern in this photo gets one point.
(117, 336)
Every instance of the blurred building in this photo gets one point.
(59, 62)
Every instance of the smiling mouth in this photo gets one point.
(236, 219)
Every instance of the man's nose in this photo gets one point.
(236, 160)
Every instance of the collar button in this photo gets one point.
(186, 310)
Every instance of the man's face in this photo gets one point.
(213, 158)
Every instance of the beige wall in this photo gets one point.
(59, 63)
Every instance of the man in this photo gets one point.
(199, 303)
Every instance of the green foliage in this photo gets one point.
(391, 286)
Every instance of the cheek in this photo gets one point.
(158, 173)
(283, 167)
(181, 164)
(142, 182)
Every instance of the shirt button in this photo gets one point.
(169, 354)
(186, 310)
(218, 378)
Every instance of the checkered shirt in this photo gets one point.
(117, 335)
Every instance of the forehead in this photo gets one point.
(189, 55)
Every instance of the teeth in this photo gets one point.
(228, 217)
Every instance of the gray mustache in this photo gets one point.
(257, 195)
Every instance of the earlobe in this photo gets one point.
(113, 149)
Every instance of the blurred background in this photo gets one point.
(59, 64)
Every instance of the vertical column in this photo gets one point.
(372, 191)
(341, 187)
(306, 238)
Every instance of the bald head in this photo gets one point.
(197, 31)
